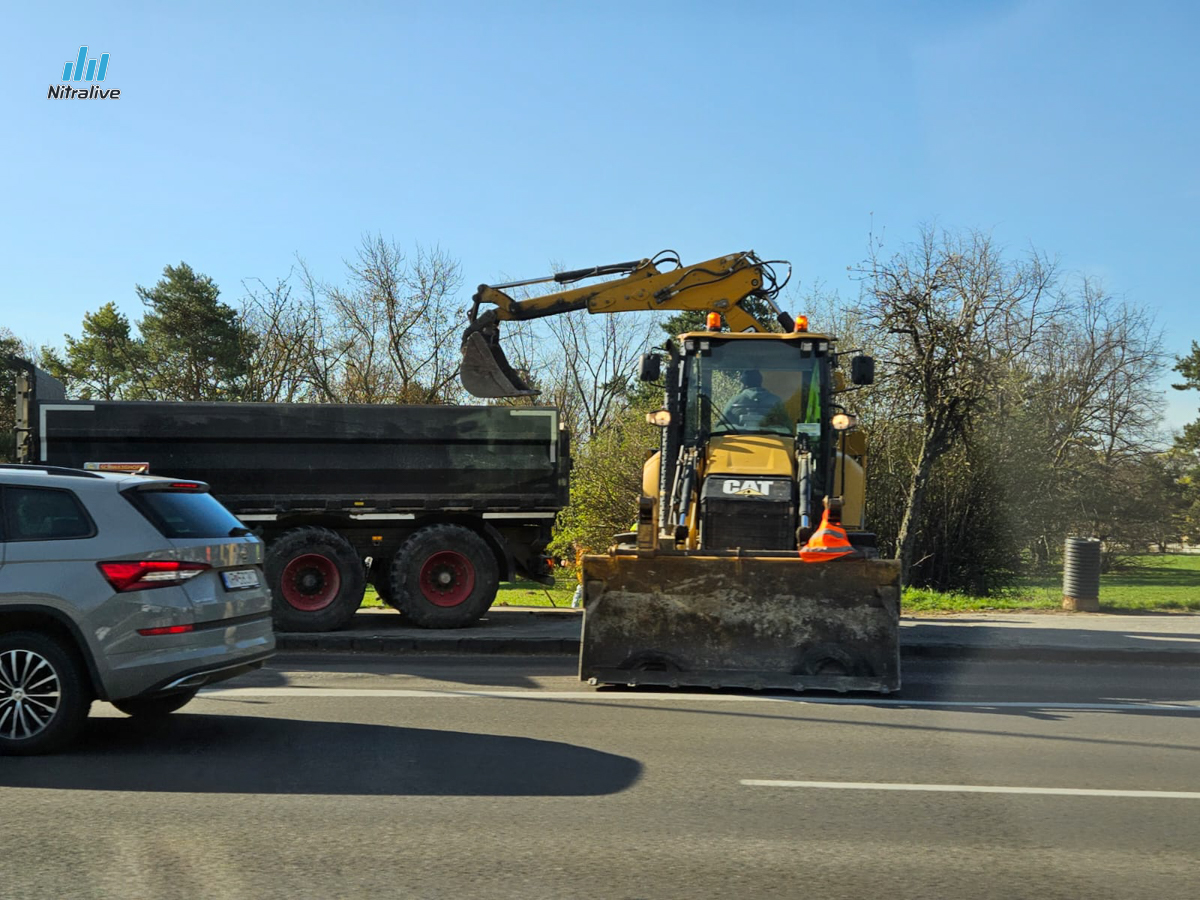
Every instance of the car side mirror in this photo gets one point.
(649, 368)
(862, 370)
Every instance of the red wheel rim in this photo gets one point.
(447, 578)
(310, 582)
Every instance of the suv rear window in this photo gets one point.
(185, 514)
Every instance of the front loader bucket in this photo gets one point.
(485, 370)
(774, 621)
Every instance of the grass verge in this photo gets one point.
(1151, 583)
(520, 593)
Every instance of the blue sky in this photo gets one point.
(516, 134)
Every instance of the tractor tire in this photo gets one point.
(316, 580)
(444, 576)
(155, 707)
(44, 694)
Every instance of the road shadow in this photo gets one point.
(207, 754)
(499, 670)
(496, 619)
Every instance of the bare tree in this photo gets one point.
(390, 334)
(403, 322)
(1092, 408)
(330, 344)
(360, 332)
(432, 281)
(951, 315)
(289, 338)
(1098, 364)
(590, 375)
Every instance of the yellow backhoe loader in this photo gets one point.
(750, 565)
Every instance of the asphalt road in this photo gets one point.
(504, 777)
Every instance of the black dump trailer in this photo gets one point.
(434, 505)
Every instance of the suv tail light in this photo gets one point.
(141, 575)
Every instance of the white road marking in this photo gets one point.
(971, 789)
(642, 696)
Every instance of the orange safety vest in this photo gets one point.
(828, 542)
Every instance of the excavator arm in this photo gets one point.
(718, 285)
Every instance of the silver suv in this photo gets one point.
(124, 588)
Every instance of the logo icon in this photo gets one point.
(88, 74)
(91, 73)
(749, 487)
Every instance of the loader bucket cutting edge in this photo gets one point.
(486, 372)
(748, 622)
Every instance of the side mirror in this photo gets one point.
(649, 368)
(862, 370)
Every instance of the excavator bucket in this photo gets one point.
(485, 370)
(772, 621)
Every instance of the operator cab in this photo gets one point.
(755, 410)
(756, 384)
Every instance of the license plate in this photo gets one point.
(239, 579)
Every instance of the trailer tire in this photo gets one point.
(444, 576)
(316, 580)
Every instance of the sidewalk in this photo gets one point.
(1081, 637)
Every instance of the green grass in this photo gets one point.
(1152, 583)
(530, 593)
(520, 593)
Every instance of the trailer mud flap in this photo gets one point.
(742, 622)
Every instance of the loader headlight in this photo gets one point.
(843, 422)
(660, 417)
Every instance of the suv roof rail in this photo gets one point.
(50, 470)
